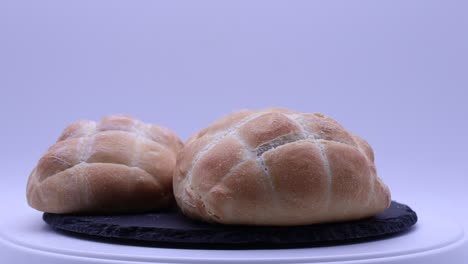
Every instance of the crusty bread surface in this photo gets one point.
(278, 167)
(117, 165)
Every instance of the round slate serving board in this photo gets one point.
(172, 229)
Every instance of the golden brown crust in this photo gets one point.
(351, 178)
(216, 163)
(278, 167)
(244, 198)
(267, 127)
(221, 124)
(117, 165)
(364, 147)
(298, 177)
(324, 127)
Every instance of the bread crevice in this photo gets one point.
(95, 163)
(315, 138)
(218, 137)
(277, 142)
(231, 171)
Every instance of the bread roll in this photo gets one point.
(117, 165)
(278, 167)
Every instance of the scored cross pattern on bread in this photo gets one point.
(278, 167)
(117, 165)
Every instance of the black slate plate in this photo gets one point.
(172, 229)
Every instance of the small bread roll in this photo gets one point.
(278, 167)
(117, 165)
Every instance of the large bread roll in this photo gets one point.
(278, 167)
(117, 165)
